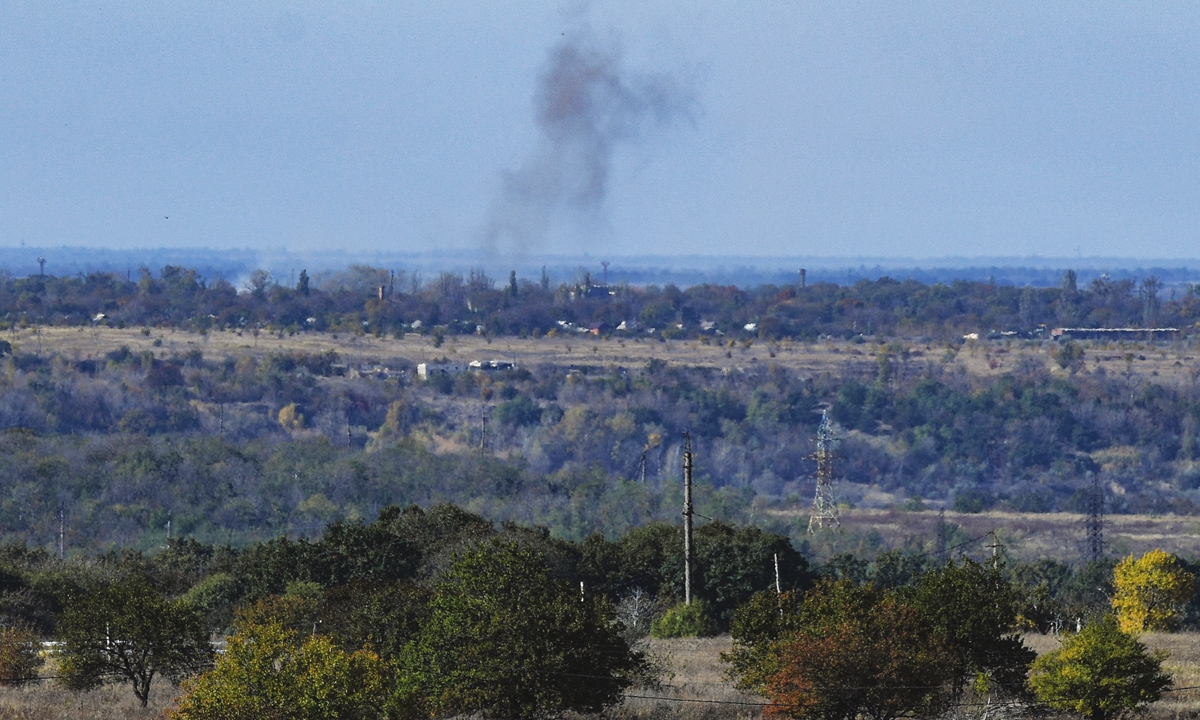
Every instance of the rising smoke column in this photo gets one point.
(587, 105)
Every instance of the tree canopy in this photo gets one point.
(126, 631)
(506, 639)
(1100, 673)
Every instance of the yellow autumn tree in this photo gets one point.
(1151, 592)
(270, 671)
(290, 417)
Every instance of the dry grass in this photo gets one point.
(694, 673)
(1027, 535)
(1172, 364)
(48, 701)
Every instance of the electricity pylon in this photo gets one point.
(824, 507)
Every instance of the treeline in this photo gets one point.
(373, 300)
(439, 612)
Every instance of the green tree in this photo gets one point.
(125, 631)
(1069, 356)
(975, 609)
(1152, 591)
(269, 671)
(1100, 673)
(506, 639)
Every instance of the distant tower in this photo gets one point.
(1094, 524)
(824, 507)
(41, 266)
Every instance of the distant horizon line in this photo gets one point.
(352, 256)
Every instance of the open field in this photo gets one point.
(694, 687)
(1173, 363)
(1026, 535)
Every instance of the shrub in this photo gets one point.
(20, 658)
(268, 668)
(684, 621)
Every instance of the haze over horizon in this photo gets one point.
(613, 128)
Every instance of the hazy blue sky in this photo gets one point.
(880, 128)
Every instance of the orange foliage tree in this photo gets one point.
(876, 660)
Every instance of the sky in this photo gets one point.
(883, 129)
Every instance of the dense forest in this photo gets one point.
(379, 301)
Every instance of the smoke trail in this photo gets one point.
(587, 105)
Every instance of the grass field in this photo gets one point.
(1024, 536)
(694, 687)
(1174, 363)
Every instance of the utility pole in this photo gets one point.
(995, 545)
(824, 507)
(1094, 523)
(778, 586)
(687, 518)
(942, 538)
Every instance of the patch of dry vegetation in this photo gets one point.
(1025, 536)
(49, 701)
(1169, 364)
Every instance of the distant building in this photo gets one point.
(424, 370)
(1064, 333)
(491, 365)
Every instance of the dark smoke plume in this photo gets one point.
(587, 105)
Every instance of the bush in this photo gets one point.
(268, 668)
(20, 658)
(518, 411)
(684, 621)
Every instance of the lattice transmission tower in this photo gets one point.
(824, 507)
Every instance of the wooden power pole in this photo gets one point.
(687, 518)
